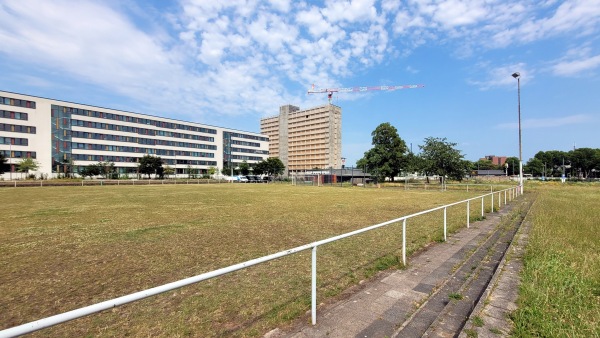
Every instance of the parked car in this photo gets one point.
(242, 179)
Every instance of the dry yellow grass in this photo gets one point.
(68, 247)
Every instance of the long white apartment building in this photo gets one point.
(64, 136)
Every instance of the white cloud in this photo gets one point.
(576, 17)
(281, 5)
(248, 56)
(313, 20)
(453, 13)
(501, 76)
(576, 62)
(350, 11)
(108, 50)
(547, 122)
(411, 70)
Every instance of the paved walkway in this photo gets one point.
(389, 299)
(499, 299)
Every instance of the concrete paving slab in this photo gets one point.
(396, 314)
(424, 288)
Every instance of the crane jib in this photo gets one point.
(330, 91)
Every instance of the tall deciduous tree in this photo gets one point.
(244, 168)
(583, 160)
(439, 157)
(274, 166)
(388, 155)
(212, 171)
(28, 164)
(260, 168)
(150, 165)
(513, 165)
(168, 170)
(107, 169)
(90, 170)
(270, 166)
(484, 164)
(534, 167)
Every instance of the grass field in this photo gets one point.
(560, 292)
(68, 247)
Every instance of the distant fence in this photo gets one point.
(94, 182)
(495, 198)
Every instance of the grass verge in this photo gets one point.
(560, 291)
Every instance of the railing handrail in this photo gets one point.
(105, 305)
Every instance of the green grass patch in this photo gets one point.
(561, 277)
(470, 333)
(68, 247)
(495, 330)
(455, 296)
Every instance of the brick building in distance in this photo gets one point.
(496, 160)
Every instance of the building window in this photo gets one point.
(17, 128)
(13, 115)
(17, 103)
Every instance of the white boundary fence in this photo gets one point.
(58, 183)
(509, 195)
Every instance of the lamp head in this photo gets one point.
(516, 75)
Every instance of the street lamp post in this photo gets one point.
(518, 77)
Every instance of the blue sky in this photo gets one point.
(229, 63)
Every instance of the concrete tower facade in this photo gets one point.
(305, 139)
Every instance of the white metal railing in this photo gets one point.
(509, 194)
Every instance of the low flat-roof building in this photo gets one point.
(64, 136)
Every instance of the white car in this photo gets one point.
(242, 179)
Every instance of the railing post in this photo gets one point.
(468, 213)
(499, 200)
(482, 207)
(492, 202)
(504, 197)
(445, 224)
(404, 242)
(314, 287)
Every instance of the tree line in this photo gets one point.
(390, 156)
(152, 165)
(581, 163)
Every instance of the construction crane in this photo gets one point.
(330, 91)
